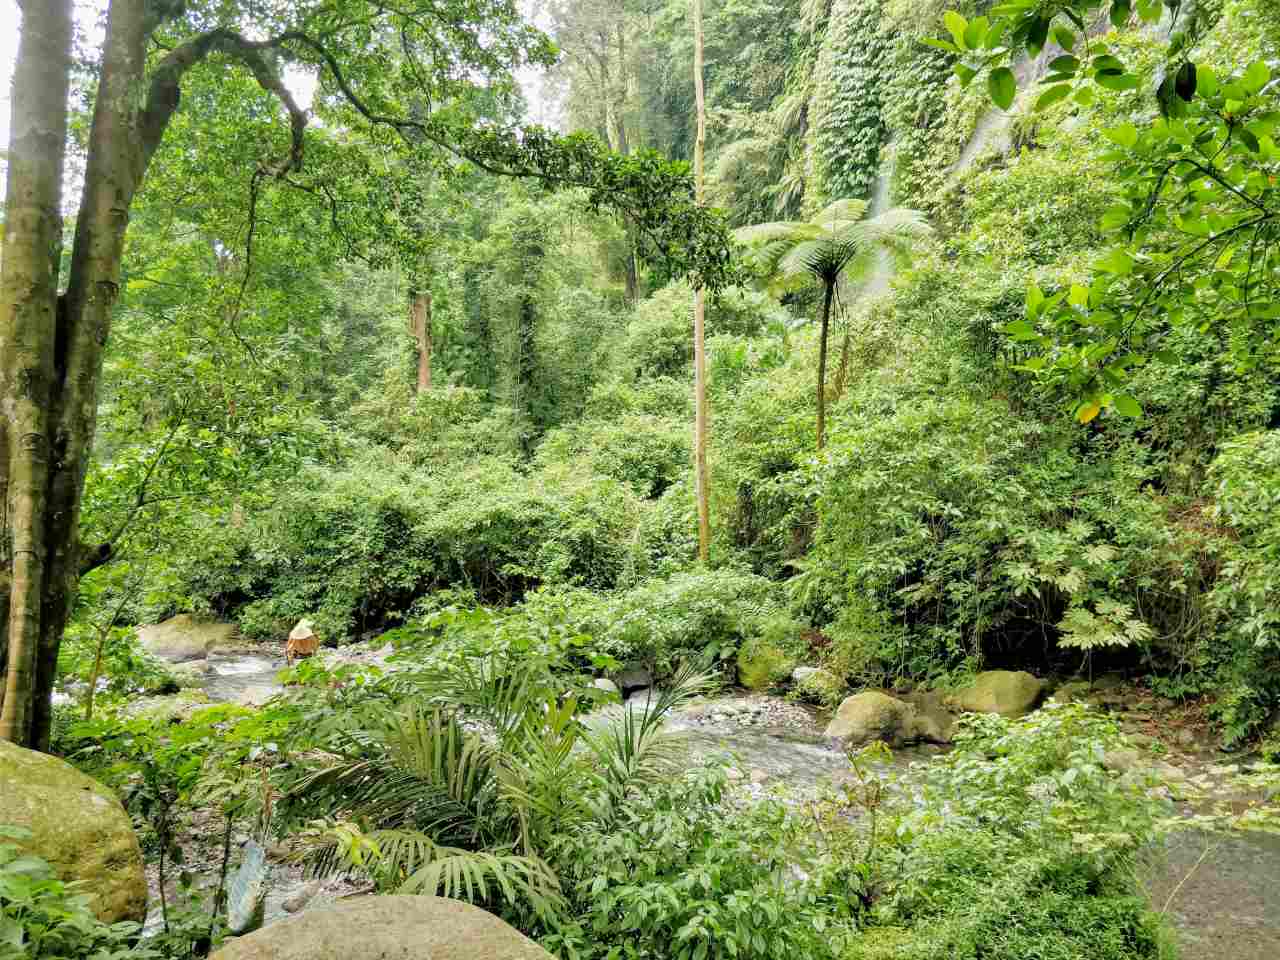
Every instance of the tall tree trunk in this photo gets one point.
(29, 328)
(827, 296)
(420, 320)
(702, 480)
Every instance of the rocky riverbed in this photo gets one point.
(1222, 893)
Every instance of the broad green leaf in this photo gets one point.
(1079, 296)
(1256, 76)
(1116, 81)
(975, 33)
(965, 73)
(946, 45)
(1126, 406)
(1087, 411)
(1053, 95)
(1118, 262)
(1126, 135)
(1020, 330)
(1065, 38)
(1064, 64)
(957, 25)
(1002, 86)
(1206, 81)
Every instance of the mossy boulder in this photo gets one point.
(387, 928)
(78, 826)
(1010, 693)
(761, 665)
(817, 685)
(184, 638)
(872, 715)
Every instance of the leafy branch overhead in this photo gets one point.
(1193, 239)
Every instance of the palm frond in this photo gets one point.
(633, 748)
(840, 212)
(482, 877)
(498, 688)
(422, 769)
(823, 258)
(758, 234)
(897, 227)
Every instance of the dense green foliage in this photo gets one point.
(1050, 444)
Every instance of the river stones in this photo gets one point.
(184, 638)
(872, 715)
(78, 826)
(1006, 692)
(387, 928)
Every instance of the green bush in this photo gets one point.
(682, 875)
(353, 548)
(1023, 845)
(659, 339)
(699, 615)
(646, 452)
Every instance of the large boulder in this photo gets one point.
(387, 928)
(184, 638)
(872, 715)
(1009, 693)
(78, 826)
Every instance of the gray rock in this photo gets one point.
(297, 901)
(184, 638)
(387, 928)
(633, 679)
(606, 685)
(1123, 760)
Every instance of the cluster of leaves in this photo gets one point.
(43, 918)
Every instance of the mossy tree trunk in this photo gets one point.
(52, 345)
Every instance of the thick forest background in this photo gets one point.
(405, 383)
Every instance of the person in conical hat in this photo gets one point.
(302, 642)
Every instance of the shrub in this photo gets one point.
(354, 547)
(681, 875)
(659, 340)
(1022, 844)
(705, 615)
(646, 452)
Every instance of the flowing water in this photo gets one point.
(1222, 893)
(242, 677)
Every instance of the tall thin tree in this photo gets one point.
(702, 478)
(31, 319)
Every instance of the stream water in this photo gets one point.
(1224, 902)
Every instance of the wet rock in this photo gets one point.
(633, 680)
(759, 776)
(1006, 692)
(78, 826)
(380, 928)
(184, 638)
(304, 896)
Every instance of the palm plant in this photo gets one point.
(463, 791)
(841, 242)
